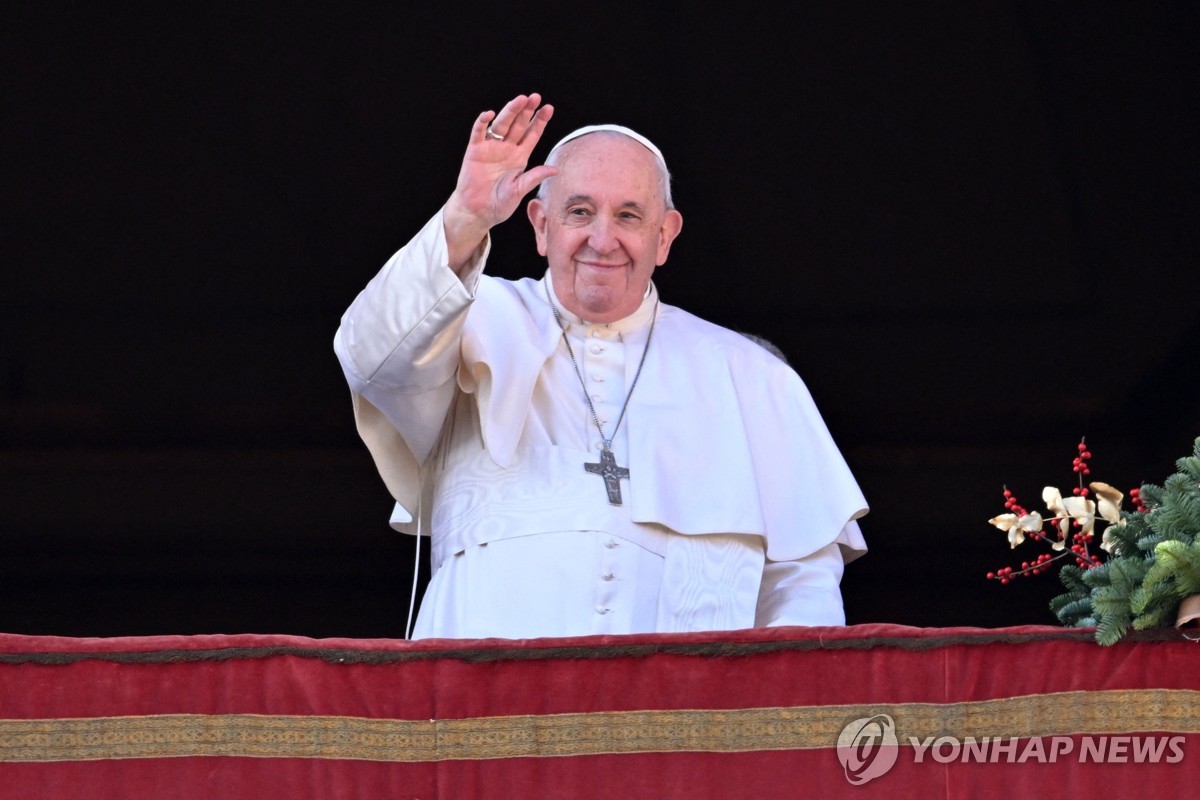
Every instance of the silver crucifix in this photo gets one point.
(607, 468)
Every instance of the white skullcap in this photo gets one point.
(649, 145)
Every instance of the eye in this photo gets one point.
(578, 212)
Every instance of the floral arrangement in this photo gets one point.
(1148, 560)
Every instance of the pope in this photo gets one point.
(586, 458)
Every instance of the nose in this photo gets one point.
(602, 237)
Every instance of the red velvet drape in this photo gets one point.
(752, 713)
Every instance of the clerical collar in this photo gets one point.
(637, 319)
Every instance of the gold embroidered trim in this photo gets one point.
(598, 733)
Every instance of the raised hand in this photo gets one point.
(493, 178)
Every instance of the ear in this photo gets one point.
(672, 224)
(536, 212)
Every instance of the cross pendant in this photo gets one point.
(607, 468)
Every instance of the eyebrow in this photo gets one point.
(587, 198)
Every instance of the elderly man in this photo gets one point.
(587, 459)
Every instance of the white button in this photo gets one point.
(604, 420)
(610, 543)
(597, 348)
(597, 377)
(596, 397)
(601, 610)
(608, 576)
(598, 445)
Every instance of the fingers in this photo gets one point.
(520, 122)
(507, 122)
(494, 175)
(480, 129)
(537, 124)
(528, 181)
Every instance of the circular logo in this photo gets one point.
(867, 748)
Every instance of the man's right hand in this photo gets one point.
(493, 179)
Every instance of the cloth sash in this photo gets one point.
(544, 490)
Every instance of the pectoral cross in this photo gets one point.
(607, 468)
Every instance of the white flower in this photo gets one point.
(1109, 502)
(1016, 526)
(1083, 511)
(1054, 502)
(1107, 543)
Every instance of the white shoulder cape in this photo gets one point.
(723, 436)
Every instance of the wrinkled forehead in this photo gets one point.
(620, 129)
(605, 169)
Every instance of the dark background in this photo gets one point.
(972, 227)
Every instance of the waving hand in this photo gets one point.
(494, 178)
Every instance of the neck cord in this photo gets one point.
(412, 600)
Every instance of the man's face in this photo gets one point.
(604, 226)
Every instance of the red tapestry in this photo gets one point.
(953, 712)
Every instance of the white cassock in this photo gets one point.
(739, 510)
